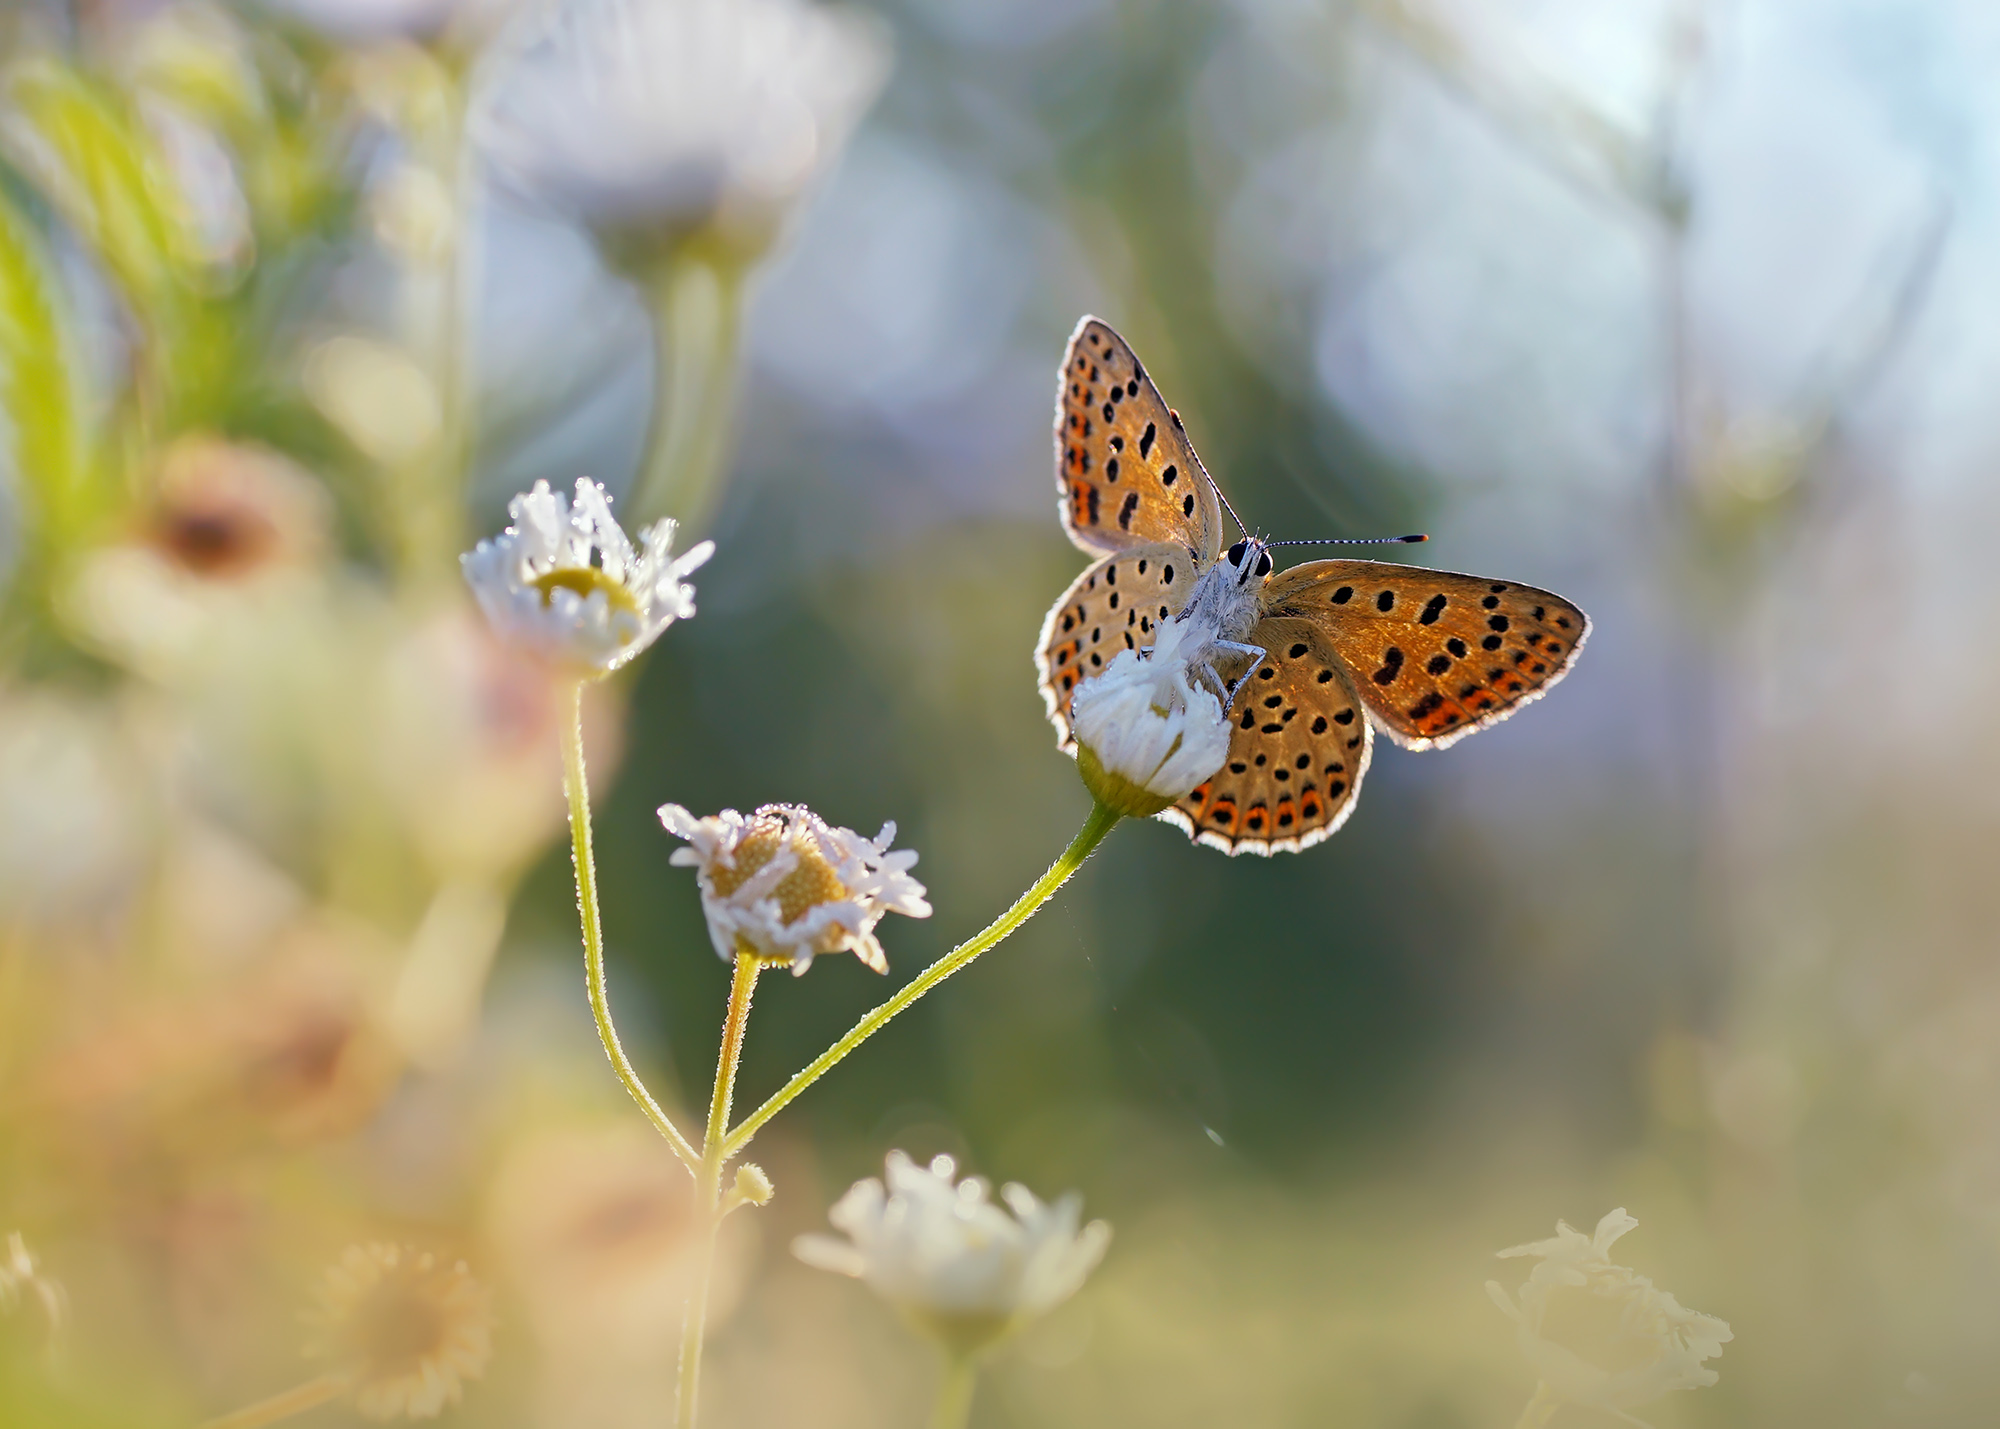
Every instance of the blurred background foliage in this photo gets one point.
(1677, 308)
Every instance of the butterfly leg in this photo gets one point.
(1254, 653)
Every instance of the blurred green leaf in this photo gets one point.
(97, 165)
(37, 384)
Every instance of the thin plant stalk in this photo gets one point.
(310, 1395)
(954, 1397)
(1100, 823)
(577, 784)
(708, 1180)
(697, 321)
(1541, 1409)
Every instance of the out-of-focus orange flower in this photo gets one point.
(292, 1054)
(227, 510)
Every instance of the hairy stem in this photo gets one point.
(709, 1178)
(578, 786)
(1092, 834)
(310, 1395)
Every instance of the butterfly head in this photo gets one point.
(1250, 559)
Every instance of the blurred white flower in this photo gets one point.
(649, 122)
(789, 885)
(564, 581)
(1601, 1335)
(1146, 733)
(959, 1267)
(405, 1328)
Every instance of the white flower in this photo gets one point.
(789, 885)
(1146, 733)
(1601, 1335)
(961, 1268)
(652, 121)
(563, 579)
(405, 1329)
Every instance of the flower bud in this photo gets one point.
(753, 1187)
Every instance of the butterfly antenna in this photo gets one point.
(1353, 541)
(1225, 503)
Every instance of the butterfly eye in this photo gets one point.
(1236, 552)
(1264, 564)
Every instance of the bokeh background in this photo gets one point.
(1685, 310)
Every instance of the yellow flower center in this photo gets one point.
(1592, 1327)
(809, 884)
(583, 580)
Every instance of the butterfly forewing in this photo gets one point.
(1117, 604)
(1434, 655)
(1125, 471)
(1298, 748)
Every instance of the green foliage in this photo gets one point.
(38, 385)
(103, 172)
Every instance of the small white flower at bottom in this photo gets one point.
(1601, 1335)
(1147, 733)
(564, 581)
(788, 885)
(960, 1268)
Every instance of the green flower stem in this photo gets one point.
(578, 786)
(697, 299)
(1100, 823)
(954, 1398)
(310, 1395)
(709, 1178)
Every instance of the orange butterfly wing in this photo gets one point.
(1126, 474)
(1298, 748)
(1434, 655)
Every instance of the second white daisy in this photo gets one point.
(786, 885)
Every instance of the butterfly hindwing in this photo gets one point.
(1299, 745)
(1434, 655)
(1116, 604)
(1126, 474)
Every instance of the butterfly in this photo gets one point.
(1309, 661)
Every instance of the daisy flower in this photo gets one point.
(652, 121)
(565, 581)
(1601, 1335)
(1146, 731)
(404, 1329)
(788, 885)
(961, 1269)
